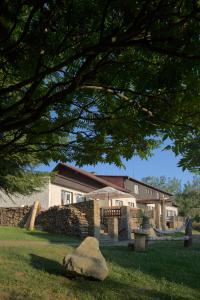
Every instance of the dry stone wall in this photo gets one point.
(79, 219)
(92, 212)
(63, 219)
(14, 216)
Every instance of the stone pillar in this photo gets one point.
(141, 242)
(96, 219)
(113, 228)
(152, 219)
(157, 215)
(174, 222)
(163, 215)
(145, 223)
(125, 223)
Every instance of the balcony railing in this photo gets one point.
(114, 211)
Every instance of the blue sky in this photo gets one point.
(161, 163)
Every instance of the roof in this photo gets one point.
(111, 192)
(90, 175)
(152, 201)
(137, 181)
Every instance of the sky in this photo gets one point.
(162, 163)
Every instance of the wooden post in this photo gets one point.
(188, 232)
(31, 219)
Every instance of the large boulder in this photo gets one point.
(87, 260)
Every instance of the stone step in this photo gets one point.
(103, 232)
(105, 238)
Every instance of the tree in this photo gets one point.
(91, 81)
(170, 185)
(189, 198)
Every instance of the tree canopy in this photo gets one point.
(91, 81)
(168, 184)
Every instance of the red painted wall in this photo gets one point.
(117, 180)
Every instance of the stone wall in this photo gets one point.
(92, 212)
(79, 219)
(131, 218)
(63, 219)
(14, 216)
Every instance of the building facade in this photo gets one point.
(68, 185)
(71, 185)
(145, 194)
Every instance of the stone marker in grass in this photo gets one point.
(87, 260)
(141, 241)
(188, 233)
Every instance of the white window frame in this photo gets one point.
(118, 202)
(131, 204)
(66, 197)
(170, 213)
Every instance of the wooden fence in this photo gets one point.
(114, 211)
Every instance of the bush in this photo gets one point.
(196, 225)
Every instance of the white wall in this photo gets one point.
(55, 194)
(106, 202)
(125, 201)
(50, 195)
(17, 200)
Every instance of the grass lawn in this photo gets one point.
(34, 271)
(21, 234)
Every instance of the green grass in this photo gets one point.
(21, 234)
(194, 231)
(166, 271)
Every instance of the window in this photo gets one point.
(131, 204)
(80, 198)
(118, 202)
(66, 197)
(157, 195)
(170, 213)
(136, 189)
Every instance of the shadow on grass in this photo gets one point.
(108, 289)
(53, 267)
(47, 265)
